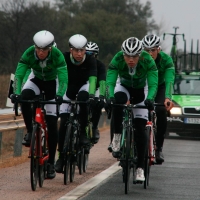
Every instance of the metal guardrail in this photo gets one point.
(10, 124)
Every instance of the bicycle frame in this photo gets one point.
(41, 123)
(152, 143)
(38, 153)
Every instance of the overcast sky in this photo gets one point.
(182, 13)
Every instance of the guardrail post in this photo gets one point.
(18, 143)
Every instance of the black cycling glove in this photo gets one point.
(149, 104)
(100, 102)
(91, 100)
(59, 99)
(15, 98)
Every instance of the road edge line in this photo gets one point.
(91, 183)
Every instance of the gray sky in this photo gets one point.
(182, 13)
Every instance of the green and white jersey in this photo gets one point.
(54, 66)
(166, 72)
(146, 72)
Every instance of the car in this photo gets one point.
(184, 117)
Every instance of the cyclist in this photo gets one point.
(93, 49)
(82, 71)
(136, 69)
(166, 74)
(47, 63)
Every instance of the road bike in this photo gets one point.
(74, 153)
(151, 130)
(38, 151)
(128, 158)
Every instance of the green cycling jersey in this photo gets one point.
(54, 66)
(146, 73)
(166, 72)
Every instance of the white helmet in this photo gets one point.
(132, 46)
(77, 41)
(43, 39)
(92, 47)
(150, 41)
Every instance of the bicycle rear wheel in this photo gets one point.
(34, 164)
(127, 169)
(147, 159)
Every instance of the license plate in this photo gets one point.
(192, 120)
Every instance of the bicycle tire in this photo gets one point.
(80, 160)
(147, 159)
(79, 153)
(66, 168)
(41, 170)
(127, 161)
(85, 161)
(34, 163)
(123, 156)
(72, 169)
(67, 153)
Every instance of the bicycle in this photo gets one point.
(38, 152)
(74, 153)
(128, 158)
(151, 130)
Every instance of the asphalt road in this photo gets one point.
(177, 178)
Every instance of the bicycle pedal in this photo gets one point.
(137, 182)
(134, 182)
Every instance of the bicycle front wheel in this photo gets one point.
(67, 150)
(80, 160)
(127, 169)
(34, 164)
(85, 161)
(72, 168)
(147, 159)
(41, 169)
(66, 169)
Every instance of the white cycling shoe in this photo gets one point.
(139, 174)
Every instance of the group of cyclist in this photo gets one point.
(140, 74)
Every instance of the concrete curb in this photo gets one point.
(91, 183)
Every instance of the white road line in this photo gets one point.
(91, 183)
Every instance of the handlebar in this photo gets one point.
(37, 101)
(109, 112)
(75, 102)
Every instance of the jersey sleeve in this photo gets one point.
(169, 78)
(111, 77)
(152, 81)
(92, 74)
(62, 75)
(22, 67)
(92, 84)
(101, 77)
